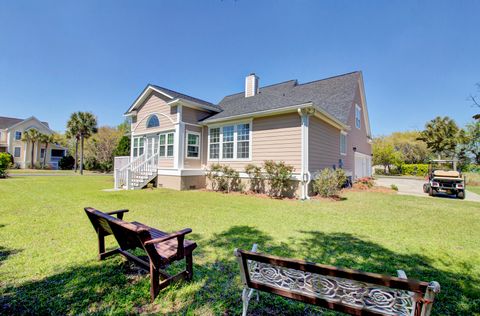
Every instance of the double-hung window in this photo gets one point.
(18, 135)
(343, 143)
(214, 143)
(16, 152)
(230, 142)
(243, 141)
(138, 146)
(358, 114)
(166, 145)
(193, 145)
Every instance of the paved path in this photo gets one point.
(415, 187)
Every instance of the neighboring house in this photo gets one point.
(314, 125)
(11, 133)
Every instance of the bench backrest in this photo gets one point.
(345, 290)
(128, 236)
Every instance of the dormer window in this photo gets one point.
(153, 121)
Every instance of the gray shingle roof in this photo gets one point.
(6, 122)
(334, 95)
(178, 95)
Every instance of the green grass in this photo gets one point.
(48, 248)
(46, 171)
(475, 189)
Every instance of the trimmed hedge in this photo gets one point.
(415, 169)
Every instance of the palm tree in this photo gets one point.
(47, 139)
(31, 136)
(82, 125)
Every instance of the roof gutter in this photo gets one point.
(292, 108)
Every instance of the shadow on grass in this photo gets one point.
(111, 287)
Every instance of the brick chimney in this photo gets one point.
(251, 85)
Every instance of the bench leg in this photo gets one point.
(154, 282)
(189, 266)
(246, 296)
(101, 245)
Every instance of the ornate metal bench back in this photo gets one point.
(345, 290)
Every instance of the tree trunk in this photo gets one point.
(33, 150)
(75, 166)
(81, 156)
(45, 155)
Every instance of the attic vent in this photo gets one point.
(251, 85)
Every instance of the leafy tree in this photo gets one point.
(413, 151)
(384, 154)
(100, 148)
(476, 102)
(47, 139)
(471, 140)
(82, 125)
(441, 136)
(31, 136)
(123, 147)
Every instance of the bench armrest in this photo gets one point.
(180, 235)
(119, 213)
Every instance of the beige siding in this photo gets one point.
(165, 162)
(356, 137)
(169, 182)
(324, 145)
(192, 116)
(274, 138)
(154, 104)
(190, 163)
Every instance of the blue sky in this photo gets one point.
(419, 58)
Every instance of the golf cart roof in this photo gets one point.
(443, 160)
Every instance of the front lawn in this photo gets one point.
(48, 248)
(475, 189)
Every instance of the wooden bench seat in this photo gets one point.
(345, 290)
(161, 248)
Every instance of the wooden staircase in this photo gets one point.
(137, 174)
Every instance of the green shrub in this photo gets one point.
(415, 169)
(278, 176)
(66, 163)
(5, 164)
(223, 178)
(328, 182)
(257, 180)
(394, 187)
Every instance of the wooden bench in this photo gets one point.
(349, 291)
(161, 248)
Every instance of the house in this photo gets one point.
(11, 132)
(312, 126)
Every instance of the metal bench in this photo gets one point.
(349, 291)
(161, 248)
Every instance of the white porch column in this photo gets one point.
(179, 140)
(305, 114)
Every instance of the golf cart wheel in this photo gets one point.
(461, 195)
(425, 188)
(431, 192)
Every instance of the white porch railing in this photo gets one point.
(137, 169)
(120, 172)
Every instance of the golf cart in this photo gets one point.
(444, 177)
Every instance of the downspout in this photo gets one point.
(306, 178)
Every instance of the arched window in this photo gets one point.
(153, 121)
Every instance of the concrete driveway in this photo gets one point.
(410, 186)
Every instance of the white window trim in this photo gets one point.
(220, 152)
(19, 152)
(199, 145)
(342, 133)
(166, 156)
(15, 136)
(357, 107)
(148, 121)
